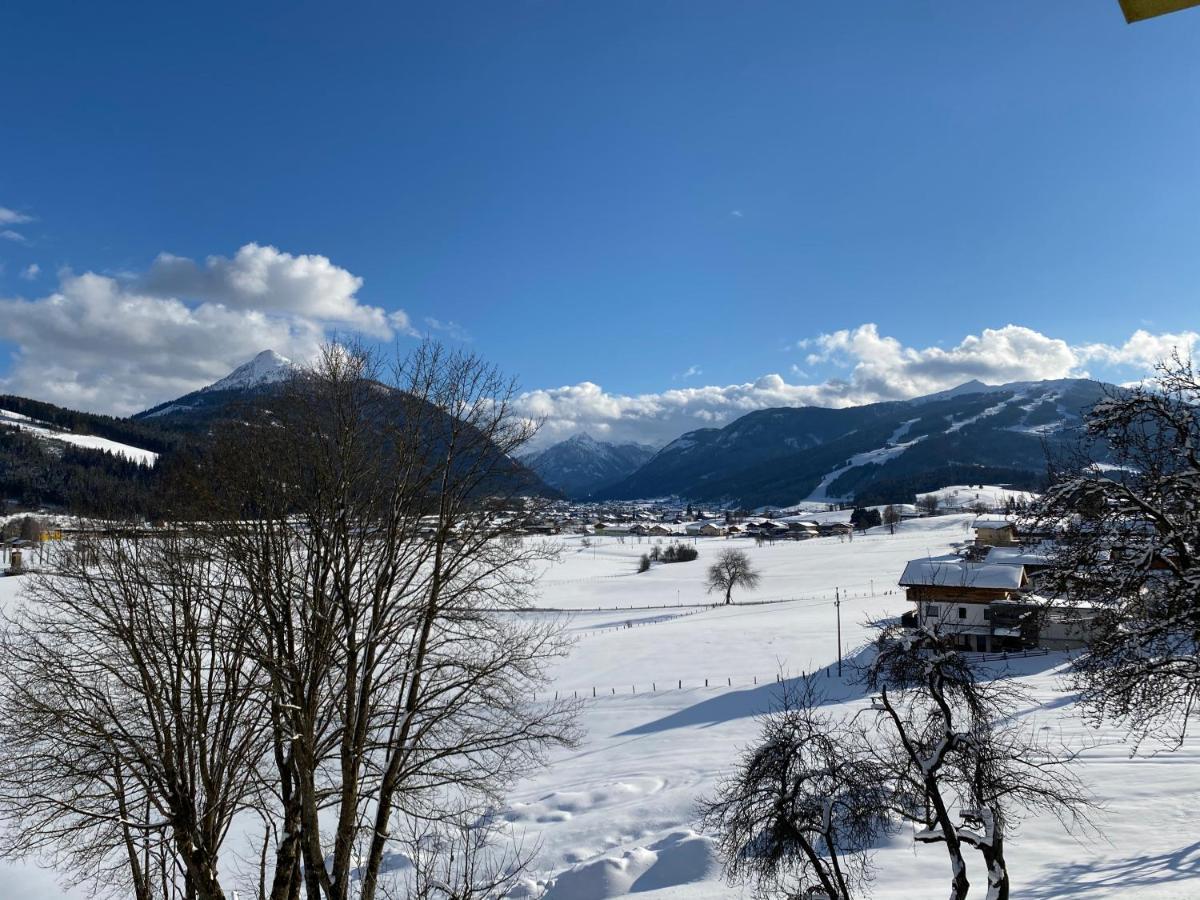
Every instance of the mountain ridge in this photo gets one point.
(582, 464)
(785, 455)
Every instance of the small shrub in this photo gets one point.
(679, 553)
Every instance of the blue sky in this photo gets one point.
(642, 197)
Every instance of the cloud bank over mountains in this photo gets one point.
(122, 343)
(869, 367)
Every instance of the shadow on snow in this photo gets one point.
(1147, 870)
(757, 701)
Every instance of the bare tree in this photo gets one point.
(804, 808)
(1127, 544)
(928, 504)
(130, 714)
(732, 569)
(328, 645)
(891, 518)
(957, 753)
(374, 523)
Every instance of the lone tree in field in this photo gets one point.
(732, 569)
(891, 518)
(928, 504)
(1128, 544)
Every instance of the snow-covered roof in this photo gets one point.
(954, 572)
(995, 522)
(1038, 555)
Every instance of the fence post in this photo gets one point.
(706, 682)
(729, 681)
(593, 690)
(654, 686)
(681, 684)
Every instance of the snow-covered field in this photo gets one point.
(963, 496)
(617, 814)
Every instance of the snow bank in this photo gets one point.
(682, 857)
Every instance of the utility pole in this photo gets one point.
(837, 604)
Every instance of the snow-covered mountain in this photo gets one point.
(252, 389)
(881, 452)
(265, 368)
(581, 464)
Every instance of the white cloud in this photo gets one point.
(123, 344)
(31, 271)
(12, 217)
(269, 280)
(1142, 349)
(876, 367)
(881, 368)
(451, 329)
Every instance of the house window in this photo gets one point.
(962, 612)
(931, 611)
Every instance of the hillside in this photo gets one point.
(581, 464)
(50, 456)
(876, 453)
(92, 464)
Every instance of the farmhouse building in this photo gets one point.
(978, 603)
(995, 531)
(989, 606)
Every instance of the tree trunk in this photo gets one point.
(997, 871)
(284, 883)
(199, 870)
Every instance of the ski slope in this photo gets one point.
(890, 450)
